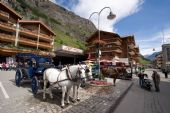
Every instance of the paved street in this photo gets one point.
(139, 100)
(15, 99)
(20, 99)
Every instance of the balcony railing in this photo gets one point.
(117, 43)
(7, 27)
(112, 39)
(7, 38)
(45, 37)
(32, 43)
(34, 34)
(116, 50)
(132, 53)
(28, 33)
(4, 15)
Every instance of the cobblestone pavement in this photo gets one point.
(104, 101)
(93, 99)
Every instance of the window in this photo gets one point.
(168, 54)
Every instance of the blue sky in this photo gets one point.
(147, 20)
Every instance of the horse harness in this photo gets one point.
(69, 76)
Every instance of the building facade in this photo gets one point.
(158, 61)
(130, 50)
(23, 36)
(166, 57)
(112, 47)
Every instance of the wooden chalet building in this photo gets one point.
(130, 50)
(23, 36)
(112, 46)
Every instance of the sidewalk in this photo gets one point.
(104, 101)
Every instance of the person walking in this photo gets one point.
(141, 71)
(141, 79)
(156, 80)
(166, 73)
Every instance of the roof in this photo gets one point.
(96, 33)
(11, 10)
(129, 36)
(36, 22)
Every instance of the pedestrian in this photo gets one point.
(156, 80)
(166, 74)
(141, 79)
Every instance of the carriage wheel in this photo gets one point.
(18, 78)
(34, 85)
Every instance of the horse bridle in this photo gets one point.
(86, 70)
(77, 74)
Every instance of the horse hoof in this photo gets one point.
(62, 107)
(67, 103)
(78, 99)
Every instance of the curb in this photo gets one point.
(117, 102)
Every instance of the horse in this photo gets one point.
(65, 78)
(76, 85)
(111, 72)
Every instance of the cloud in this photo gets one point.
(122, 9)
(83, 8)
(155, 41)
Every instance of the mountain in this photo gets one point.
(152, 56)
(146, 56)
(143, 60)
(70, 29)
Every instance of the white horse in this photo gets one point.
(76, 85)
(65, 79)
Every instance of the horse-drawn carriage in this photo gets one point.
(31, 67)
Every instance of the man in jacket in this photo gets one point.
(156, 80)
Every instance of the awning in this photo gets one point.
(68, 51)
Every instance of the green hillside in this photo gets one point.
(144, 61)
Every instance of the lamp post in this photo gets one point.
(110, 17)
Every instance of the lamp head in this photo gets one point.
(111, 16)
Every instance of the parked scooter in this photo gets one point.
(147, 84)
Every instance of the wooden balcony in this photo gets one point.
(132, 53)
(132, 47)
(7, 27)
(4, 15)
(7, 38)
(45, 45)
(117, 43)
(32, 43)
(34, 34)
(112, 39)
(113, 49)
(8, 51)
(28, 33)
(45, 37)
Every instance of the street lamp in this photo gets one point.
(110, 17)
